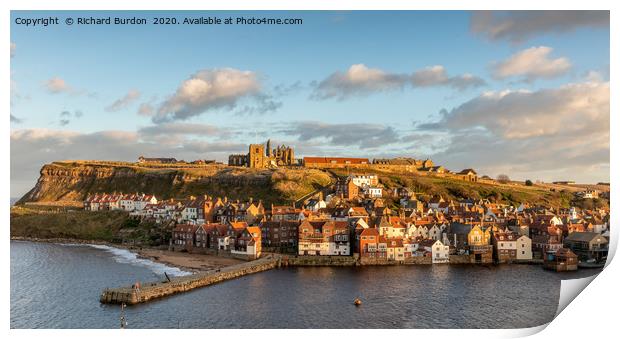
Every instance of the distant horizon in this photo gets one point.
(503, 92)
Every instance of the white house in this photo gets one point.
(440, 252)
(374, 192)
(364, 180)
(141, 202)
(524, 248)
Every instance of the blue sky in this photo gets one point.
(289, 67)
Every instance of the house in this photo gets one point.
(336, 233)
(190, 210)
(143, 160)
(561, 260)
(479, 245)
(547, 240)
(202, 236)
(322, 162)
(288, 213)
(435, 232)
(587, 245)
(505, 246)
(310, 240)
(314, 205)
(183, 235)
(395, 249)
(324, 238)
(588, 194)
(279, 235)
(365, 180)
(439, 252)
(435, 201)
(218, 239)
(368, 244)
(468, 174)
(372, 191)
(248, 243)
(346, 189)
(524, 248)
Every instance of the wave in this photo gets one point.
(124, 256)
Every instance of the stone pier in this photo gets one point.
(150, 291)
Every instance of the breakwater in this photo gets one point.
(154, 290)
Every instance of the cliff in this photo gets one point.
(75, 180)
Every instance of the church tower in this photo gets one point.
(269, 151)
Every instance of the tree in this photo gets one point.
(503, 178)
(528, 182)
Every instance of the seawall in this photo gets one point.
(154, 290)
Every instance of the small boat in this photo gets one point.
(357, 302)
(591, 263)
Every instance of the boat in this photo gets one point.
(357, 302)
(591, 263)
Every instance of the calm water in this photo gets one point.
(58, 286)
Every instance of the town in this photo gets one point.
(353, 223)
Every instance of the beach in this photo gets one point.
(186, 261)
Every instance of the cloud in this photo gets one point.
(65, 117)
(532, 63)
(529, 133)
(358, 134)
(124, 102)
(57, 85)
(146, 109)
(172, 131)
(15, 119)
(31, 148)
(207, 90)
(360, 80)
(517, 26)
(437, 76)
(13, 48)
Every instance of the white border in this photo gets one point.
(590, 315)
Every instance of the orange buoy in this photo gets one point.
(357, 302)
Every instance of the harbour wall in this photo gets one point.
(154, 290)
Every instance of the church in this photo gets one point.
(263, 156)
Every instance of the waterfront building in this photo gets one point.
(524, 248)
(248, 243)
(505, 246)
(280, 235)
(587, 245)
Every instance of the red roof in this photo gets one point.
(323, 160)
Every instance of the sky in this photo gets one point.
(519, 93)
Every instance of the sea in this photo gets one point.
(58, 286)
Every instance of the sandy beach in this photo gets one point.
(186, 261)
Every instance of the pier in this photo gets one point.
(155, 290)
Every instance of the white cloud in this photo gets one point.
(517, 26)
(437, 76)
(532, 63)
(124, 102)
(531, 133)
(206, 90)
(360, 80)
(13, 48)
(57, 85)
